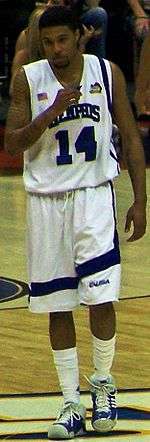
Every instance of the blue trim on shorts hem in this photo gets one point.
(46, 288)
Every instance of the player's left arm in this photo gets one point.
(133, 152)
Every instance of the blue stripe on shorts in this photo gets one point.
(46, 288)
(90, 267)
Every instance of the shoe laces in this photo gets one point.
(68, 413)
(104, 397)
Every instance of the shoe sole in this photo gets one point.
(60, 433)
(104, 425)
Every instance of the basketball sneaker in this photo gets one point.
(104, 415)
(70, 423)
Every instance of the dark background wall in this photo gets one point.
(14, 16)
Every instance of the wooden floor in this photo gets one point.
(26, 364)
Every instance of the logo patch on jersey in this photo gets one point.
(42, 96)
(97, 283)
(96, 88)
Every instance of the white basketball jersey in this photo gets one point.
(76, 150)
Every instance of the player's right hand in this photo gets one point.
(65, 98)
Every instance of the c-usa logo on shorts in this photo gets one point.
(97, 283)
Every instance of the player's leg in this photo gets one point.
(99, 269)
(71, 421)
(103, 328)
(63, 343)
(53, 288)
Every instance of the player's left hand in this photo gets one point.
(136, 215)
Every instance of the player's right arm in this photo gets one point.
(21, 131)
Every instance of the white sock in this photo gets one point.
(103, 354)
(66, 363)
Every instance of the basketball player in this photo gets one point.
(61, 118)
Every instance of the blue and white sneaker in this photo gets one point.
(70, 423)
(104, 415)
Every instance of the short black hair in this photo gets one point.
(59, 16)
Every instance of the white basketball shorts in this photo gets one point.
(73, 250)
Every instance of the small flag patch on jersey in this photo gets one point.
(95, 88)
(42, 96)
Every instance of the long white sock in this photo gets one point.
(103, 354)
(66, 363)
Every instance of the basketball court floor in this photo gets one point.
(29, 392)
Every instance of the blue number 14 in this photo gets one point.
(85, 143)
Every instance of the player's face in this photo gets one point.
(60, 45)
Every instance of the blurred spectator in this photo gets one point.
(139, 18)
(142, 96)
(14, 15)
(27, 47)
(142, 92)
(140, 23)
(127, 19)
(94, 18)
(19, 12)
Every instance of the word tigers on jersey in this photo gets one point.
(74, 112)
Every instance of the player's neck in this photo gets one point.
(71, 75)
